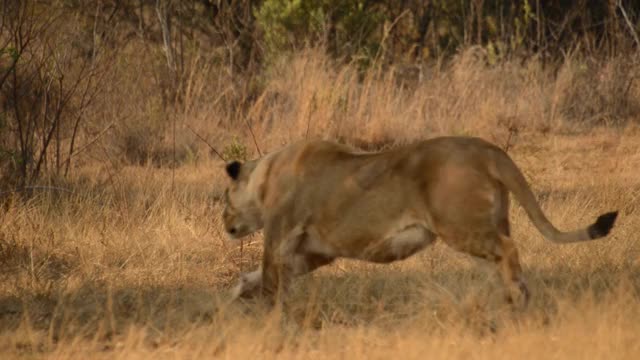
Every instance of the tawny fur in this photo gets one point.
(318, 201)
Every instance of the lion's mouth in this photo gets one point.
(237, 232)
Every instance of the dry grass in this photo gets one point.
(134, 263)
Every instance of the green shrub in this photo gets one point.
(346, 26)
(235, 151)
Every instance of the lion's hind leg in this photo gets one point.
(509, 262)
(497, 247)
(511, 274)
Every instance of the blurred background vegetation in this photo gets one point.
(74, 73)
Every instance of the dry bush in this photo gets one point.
(595, 92)
(48, 84)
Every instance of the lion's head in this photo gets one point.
(242, 214)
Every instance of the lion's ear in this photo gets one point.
(233, 169)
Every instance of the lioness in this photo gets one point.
(319, 200)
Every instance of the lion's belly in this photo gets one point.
(398, 244)
(380, 242)
(386, 223)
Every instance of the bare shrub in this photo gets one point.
(47, 90)
(599, 91)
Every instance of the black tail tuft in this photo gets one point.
(603, 225)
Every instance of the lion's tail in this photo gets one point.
(509, 174)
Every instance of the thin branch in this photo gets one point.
(249, 115)
(629, 24)
(91, 142)
(206, 142)
(253, 136)
(11, 67)
(63, 101)
(87, 98)
(173, 168)
(164, 17)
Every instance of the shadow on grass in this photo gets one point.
(350, 299)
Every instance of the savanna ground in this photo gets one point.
(130, 260)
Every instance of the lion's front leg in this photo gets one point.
(281, 263)
(281, 260)
(248, 285)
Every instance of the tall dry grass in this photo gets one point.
(309, 95)
(131, 261)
